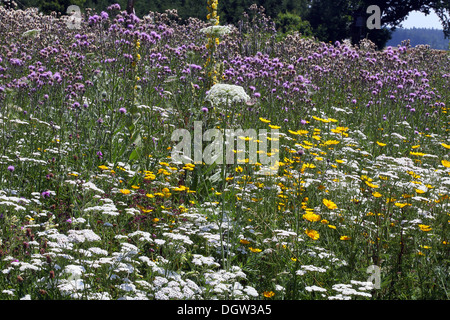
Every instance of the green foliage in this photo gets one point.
(288, 22)
(330, 20)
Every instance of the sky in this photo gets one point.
(419, 20)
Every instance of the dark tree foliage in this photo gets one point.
(333, 20)
(329, 19)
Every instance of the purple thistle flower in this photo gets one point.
(114, 6)
(11, 168)
(45, 194)
(123, 110)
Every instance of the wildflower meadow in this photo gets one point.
(334, 186)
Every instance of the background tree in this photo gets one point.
(130, 6)
(393, 13)
(330, 19)
(290, 22)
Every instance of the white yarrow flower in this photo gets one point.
(226, 94)
(80, 236)
(315, 288)
(216, 31)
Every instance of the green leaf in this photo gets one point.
(135, 154)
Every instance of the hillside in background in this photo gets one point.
(433, 37)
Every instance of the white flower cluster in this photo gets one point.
(216, 31)
(346, 290)
(175, 288)
(31, 33)
(226, 94)
(200, 260)
(226, 283)
(109, 208)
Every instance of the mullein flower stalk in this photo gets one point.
(213, 41)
